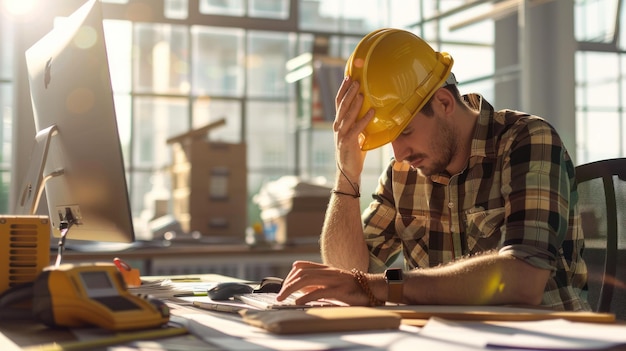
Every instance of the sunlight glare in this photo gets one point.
(494, 287)
(18, 7)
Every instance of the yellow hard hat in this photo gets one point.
(398, 73)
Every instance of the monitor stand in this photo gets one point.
(33, 185)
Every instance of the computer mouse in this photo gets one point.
(226, 290)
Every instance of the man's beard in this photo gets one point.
(442, 150)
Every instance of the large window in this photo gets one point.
(187, 67)
(6, 109)
(600, 80)
(191, 72)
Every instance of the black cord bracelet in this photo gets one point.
(354, 186)
(338, 192)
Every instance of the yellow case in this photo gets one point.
(93, 295)
(24, 248)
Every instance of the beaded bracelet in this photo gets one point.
(363, 283)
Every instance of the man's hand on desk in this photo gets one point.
(317, 281)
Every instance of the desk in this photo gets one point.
(27, 333)
(235, 260)
(225, 330)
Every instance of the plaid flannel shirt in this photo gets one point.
(517, 195)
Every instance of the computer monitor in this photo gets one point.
(77, 153)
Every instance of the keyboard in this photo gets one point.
(267, 301)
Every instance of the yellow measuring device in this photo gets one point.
(93, 294)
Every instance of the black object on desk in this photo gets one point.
(226, 290)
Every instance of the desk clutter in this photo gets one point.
(233, 325)
(271, 330)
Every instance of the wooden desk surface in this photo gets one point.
(26, 333)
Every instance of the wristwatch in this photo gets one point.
(395, 284)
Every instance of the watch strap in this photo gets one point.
(395, 285)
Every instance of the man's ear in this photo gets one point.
(443, 101)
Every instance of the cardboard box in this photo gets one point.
(209, 185)
(293, 210)
(296, 227)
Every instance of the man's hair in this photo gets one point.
(428, 108)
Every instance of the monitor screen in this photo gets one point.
(80, 155)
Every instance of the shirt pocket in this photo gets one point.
(481, 224)
(411, 227)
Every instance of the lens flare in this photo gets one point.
(86, 37)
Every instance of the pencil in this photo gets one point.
(112, 340)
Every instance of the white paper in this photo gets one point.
(228, 331)
(234, 334)
(557, 334)
(7, 344)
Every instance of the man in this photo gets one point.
(480, 203)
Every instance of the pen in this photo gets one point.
(192, 294)
(185, 280)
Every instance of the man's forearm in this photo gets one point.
(489, 279)
(342, 243)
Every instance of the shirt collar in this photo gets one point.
(483, 142)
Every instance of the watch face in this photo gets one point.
(393, 274)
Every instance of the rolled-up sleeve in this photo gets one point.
(536, 189)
